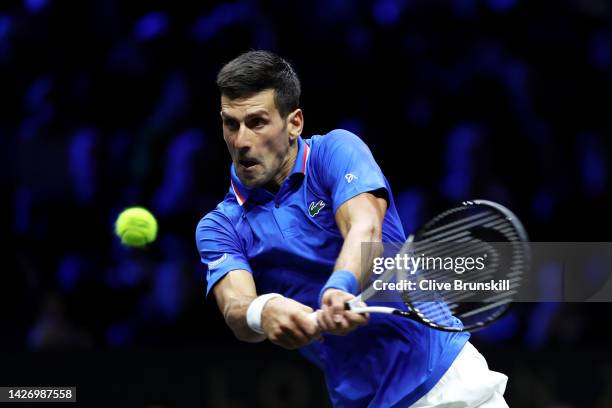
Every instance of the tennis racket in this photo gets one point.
(477, 229)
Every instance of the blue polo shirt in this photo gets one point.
(289, 241)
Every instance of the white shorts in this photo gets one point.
(468, 383)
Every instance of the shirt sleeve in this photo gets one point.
(220, 248)
(346, 167)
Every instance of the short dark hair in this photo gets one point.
(256, 71)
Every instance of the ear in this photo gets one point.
(295, 124)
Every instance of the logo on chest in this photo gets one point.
(315, 207)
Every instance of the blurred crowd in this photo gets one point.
(107, 104)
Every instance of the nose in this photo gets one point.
(242, 140)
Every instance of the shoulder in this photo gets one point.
(336, 149)
(335, 138)
(225, 216)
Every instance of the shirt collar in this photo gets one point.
(243, 192)
(301, 158)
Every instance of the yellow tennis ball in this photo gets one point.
(136, 227)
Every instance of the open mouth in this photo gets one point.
(247, 164)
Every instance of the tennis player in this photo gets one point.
(286, 240)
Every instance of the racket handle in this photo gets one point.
(352, 305)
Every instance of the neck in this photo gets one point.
(285, 169)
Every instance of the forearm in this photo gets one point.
(351, 257)
(341, 286)
(360, 221)
(234, 312)
(234, 294)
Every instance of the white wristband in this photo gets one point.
(253, 315)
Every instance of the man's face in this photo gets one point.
(256, 136)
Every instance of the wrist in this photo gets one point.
(342, 280)
(255, 310)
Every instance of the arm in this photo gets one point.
(234, 294)
(360, 220)
(284, 321)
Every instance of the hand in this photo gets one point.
(285, 322)
(333, 318)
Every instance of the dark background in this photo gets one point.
(105, 104)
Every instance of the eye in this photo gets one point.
(231, 124)
(257, 123)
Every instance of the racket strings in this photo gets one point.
(456, 219)
(459, 231)
(474, 235)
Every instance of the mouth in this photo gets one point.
(248, 164)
